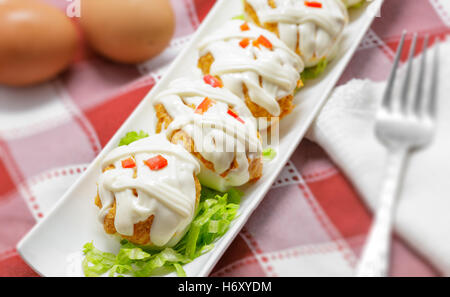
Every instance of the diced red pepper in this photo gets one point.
(234, 115)
(156, 163)
(128, 163)
(245, 27)
(313, 4)
(213, 81)
(204, 106)
(244, 42)
(264, 41)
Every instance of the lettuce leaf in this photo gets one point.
(131, 137)
(269, 154)
(213, 217)
(316, 71)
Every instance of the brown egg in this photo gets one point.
(37, 42)
(130, 31)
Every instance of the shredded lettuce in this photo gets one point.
(213, 217)
(316, 71)
(96, 262)
(269, 154)
(132, 137)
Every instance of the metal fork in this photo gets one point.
(403, 124)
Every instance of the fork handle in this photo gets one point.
(375, 257)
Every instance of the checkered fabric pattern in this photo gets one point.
(312, 222)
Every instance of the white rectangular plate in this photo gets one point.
(53, 247)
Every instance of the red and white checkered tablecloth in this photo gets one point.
(312, 222)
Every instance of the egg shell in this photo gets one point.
(130, 31)
(38, 41)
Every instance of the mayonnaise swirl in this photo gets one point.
(218, 137)
(169, 194)
(315, 31)
(269, 74)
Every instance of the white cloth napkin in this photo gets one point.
(345, 129)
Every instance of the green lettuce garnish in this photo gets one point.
(239, 17)
(132, 137)
(357, 5)
(213, 217)
(269, 154)
(316, 71)
(96, 262)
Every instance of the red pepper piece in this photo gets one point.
(264, 41)
(313, 4)
(245, 27)
(244, 43)
(213, 81)
(128, 163)
(204, 106)
(234, 115)
(156, 163)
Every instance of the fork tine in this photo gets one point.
(407, 80)
(418, 98)
(432, 104)
(387, 97)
